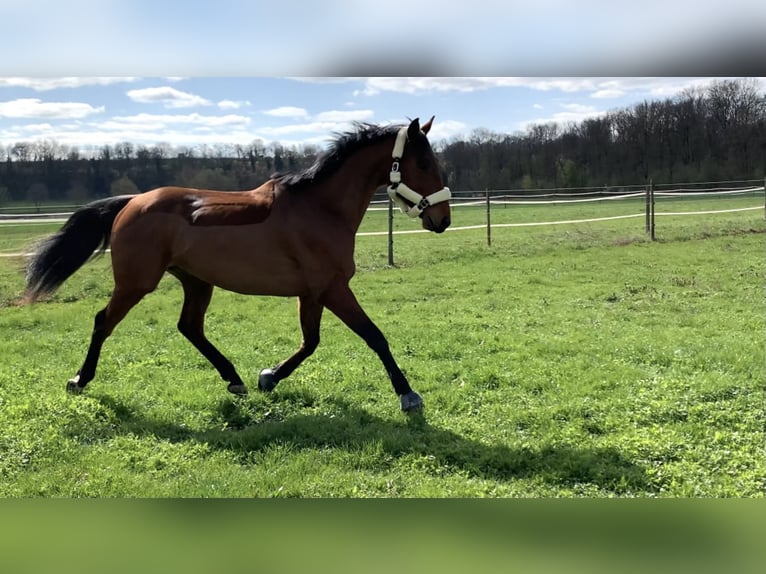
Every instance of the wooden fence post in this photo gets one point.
(390, 232)
(651, 223)
(489, 225)
(646, 226)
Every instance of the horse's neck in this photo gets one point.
(353, 187)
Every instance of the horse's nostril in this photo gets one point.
(437, 227)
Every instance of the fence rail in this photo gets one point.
(491, 200)
(649, 195)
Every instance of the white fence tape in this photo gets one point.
(14, 221)
(504, 199)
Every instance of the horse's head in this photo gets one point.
(416, 181)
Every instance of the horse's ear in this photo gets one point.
(427, 126)
(414, 129)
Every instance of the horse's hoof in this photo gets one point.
(267, 380)
(73, 386)
(237, 389)
(411, 402)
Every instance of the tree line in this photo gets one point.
(703, 134)
(45, 170)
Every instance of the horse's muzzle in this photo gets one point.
(439, 227)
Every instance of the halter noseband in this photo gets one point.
(398, 191)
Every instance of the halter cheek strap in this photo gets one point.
(398, 191)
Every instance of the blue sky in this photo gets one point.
(90, 111)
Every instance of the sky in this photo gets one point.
(90, 111)
(195, 72)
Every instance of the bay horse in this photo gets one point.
(292, 236)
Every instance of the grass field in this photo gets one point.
(577, 360)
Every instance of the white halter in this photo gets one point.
(398, 191)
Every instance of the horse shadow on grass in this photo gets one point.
(249, 429)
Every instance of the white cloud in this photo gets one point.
(46, 84)
(575, 108)
(374, 86)
(573, 112)
(290, 129)
(140, 129)
(615, 88)
(152, 121)
(287, 112)
(36, 108)
(232, 105)
(35, 128)
(92, 137)
(331, 116)
(607, 93)
(345, 116)
(446, 129)
(168, 97)
(601, 88)
(326, 122)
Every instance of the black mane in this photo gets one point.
(338, 151)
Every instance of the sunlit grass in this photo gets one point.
(561, 361)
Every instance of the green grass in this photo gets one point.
(561, 361)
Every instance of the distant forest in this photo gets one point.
(706, 134)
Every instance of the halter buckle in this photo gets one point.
(423, 203)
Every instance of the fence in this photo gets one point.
(649, 194)
(489, 201)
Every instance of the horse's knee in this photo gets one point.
(189, 327)
(99, 318)
(183, 327)
(310, 345)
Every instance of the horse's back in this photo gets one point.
(201, 207)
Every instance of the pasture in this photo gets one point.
(562, 361)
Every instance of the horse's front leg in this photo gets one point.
(341, 301)
(310, 312)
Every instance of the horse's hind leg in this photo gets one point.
(136, 273)
(310, 312)
(197, 295)
(122, 301)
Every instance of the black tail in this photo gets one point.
(57, 257)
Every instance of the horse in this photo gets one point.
(293, 236)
